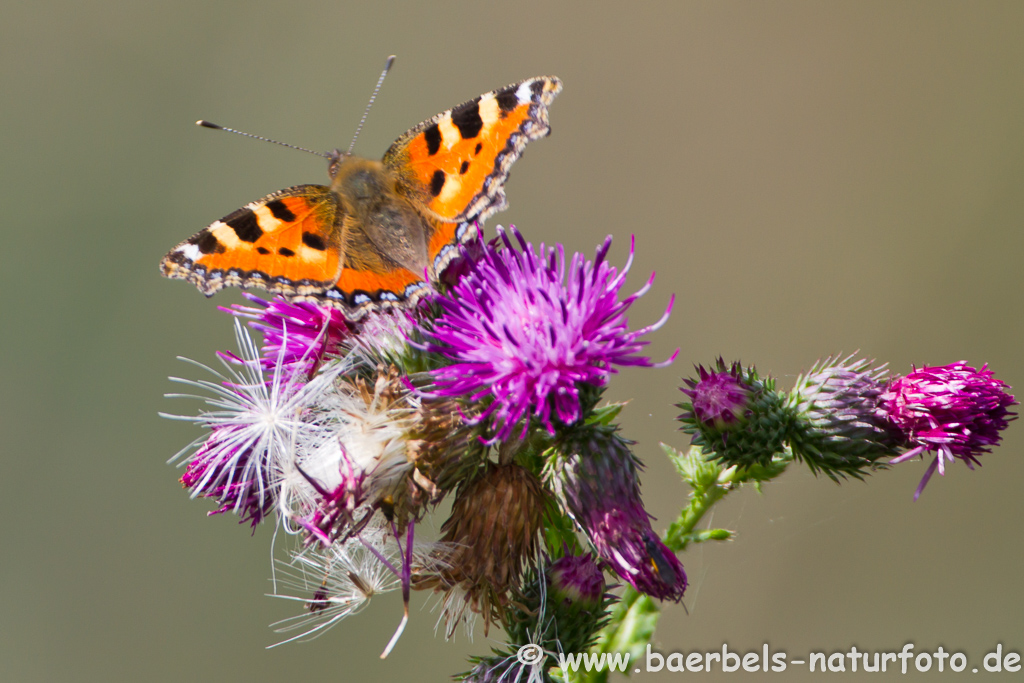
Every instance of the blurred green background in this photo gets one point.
(808, 178)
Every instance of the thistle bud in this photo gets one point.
(576, 579)
(736, 415)
(595, 478)
(837, 429)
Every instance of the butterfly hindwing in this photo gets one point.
(370, 278)
(455, 165)
(287, 243)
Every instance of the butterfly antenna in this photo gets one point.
(380, 81)
(207, 124)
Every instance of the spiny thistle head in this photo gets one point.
(595, 478)
(491, 536)
(954, 410)
(736, 415)
(525, 328)
(836, 428)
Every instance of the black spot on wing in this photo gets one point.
(281, 211)
(433, 137)
(314, 241)
(467, 119)
(245, 225)
(285, 251)
(537, 86)
(207, 243)
(437, 182)
(263, 250)
(464, 168)
(507, 99)
(479, 146)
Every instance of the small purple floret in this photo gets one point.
(953, 409)
(304, 330)
(215, 472)
(525, 328)
(577, 578)
(719, 399)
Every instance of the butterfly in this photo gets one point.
(382, 230)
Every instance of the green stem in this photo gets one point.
(633, 619)
(680, 532)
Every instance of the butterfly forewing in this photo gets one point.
(285, 243)
(456, 163)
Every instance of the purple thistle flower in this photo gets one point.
(335, 508)
(719, 399)
(953, 409)
(594, 477)
(303, 330)
(235, 491)
(524, 328)
(577, 579)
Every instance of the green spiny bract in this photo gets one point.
(837, 429)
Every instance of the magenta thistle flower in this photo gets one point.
(595, 479)
(304, 330)
(525, 328)
(218, 470)
(954, 410)
(577, 579)
(719, 399)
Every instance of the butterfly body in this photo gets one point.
(382, 230)
(375, 208)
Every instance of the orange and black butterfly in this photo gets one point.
(383, 229)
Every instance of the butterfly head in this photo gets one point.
(334, 160)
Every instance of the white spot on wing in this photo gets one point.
(524, 93)
(190, 251)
